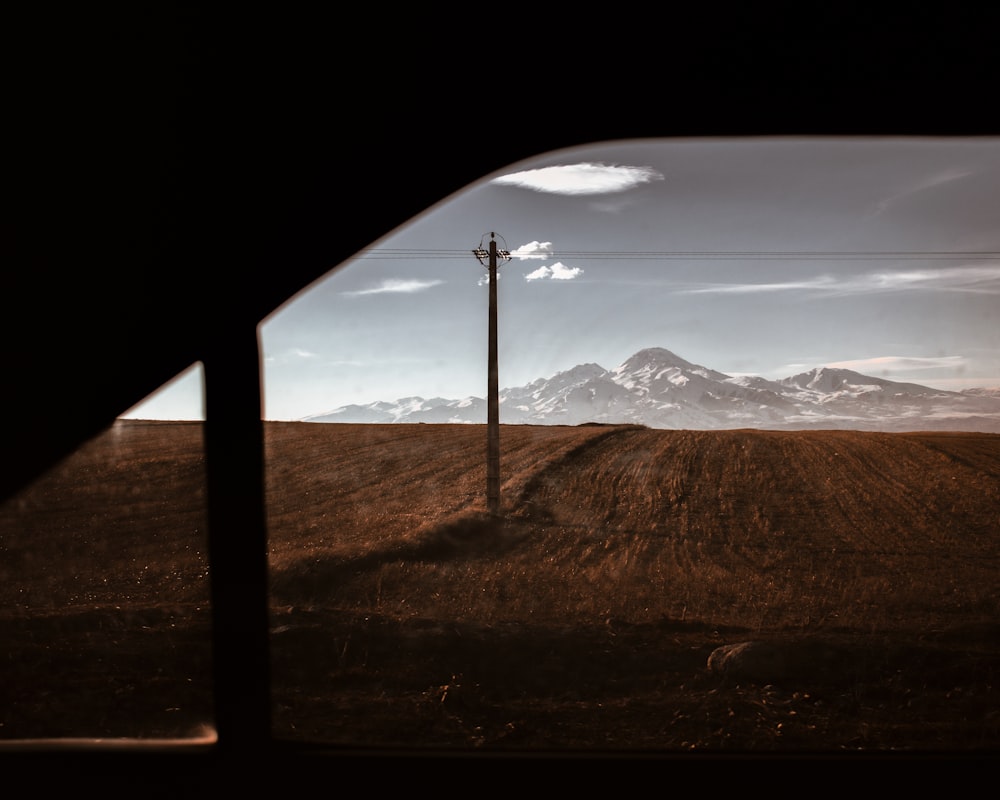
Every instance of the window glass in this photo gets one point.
(749, 458)
(104, 581)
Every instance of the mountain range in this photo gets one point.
(659, 389)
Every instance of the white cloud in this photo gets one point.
(983, 279)
(926, 370)
(822, 282)
(931, 181)
(887, 364)
(580, 179)
(533, 250)
(396, 286)
(292, 354)
(557, 272)
(560, 272)
(955, 279)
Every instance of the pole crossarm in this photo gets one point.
(483, 253)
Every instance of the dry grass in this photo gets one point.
(583, 617)
(755, 529)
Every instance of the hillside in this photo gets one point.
(585, 617)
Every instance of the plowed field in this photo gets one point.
(581, 618)
(732, 527)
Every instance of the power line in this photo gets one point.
(413, 254)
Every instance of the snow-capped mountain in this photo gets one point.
(659, 389)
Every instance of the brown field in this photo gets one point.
(582, 618)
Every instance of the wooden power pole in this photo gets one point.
(493, 388)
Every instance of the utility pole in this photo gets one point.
(493, 388)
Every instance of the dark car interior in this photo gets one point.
(179, 173)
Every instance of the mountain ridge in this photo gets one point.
(659, 389)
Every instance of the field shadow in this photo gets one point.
(526, 506)
(464, 535)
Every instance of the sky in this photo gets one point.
(765, 256)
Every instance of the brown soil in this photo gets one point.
(581, 619)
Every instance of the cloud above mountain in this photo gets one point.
(982, 279)
(533, 250)
(556, 272)
(922, 185)
(888, 363)
(396, 286)
(553, 272)
(580, 179)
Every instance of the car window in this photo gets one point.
(749, 455)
